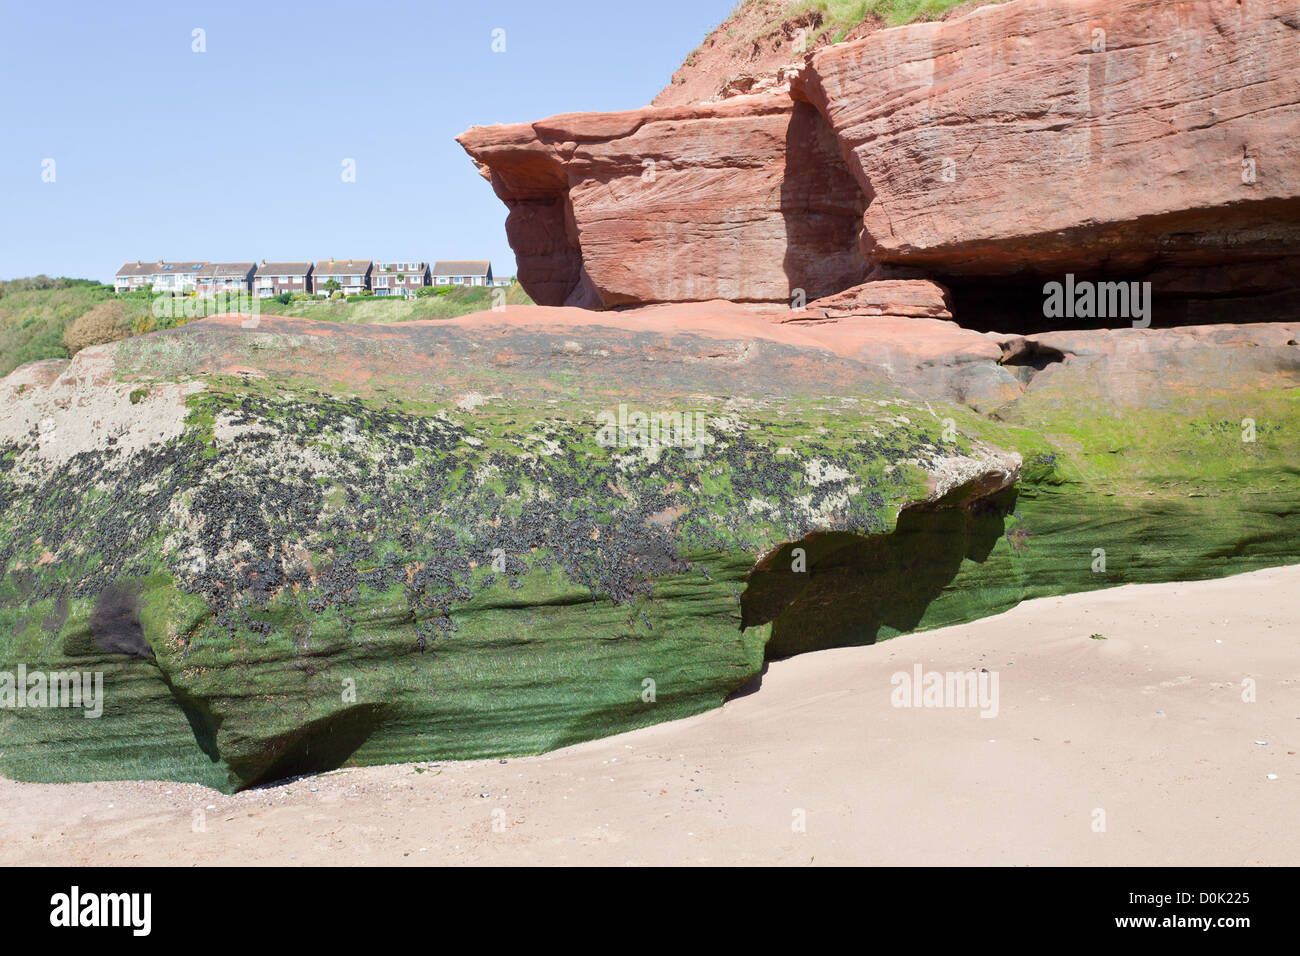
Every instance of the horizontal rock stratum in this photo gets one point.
(291, 545)
(676, 204)
(1136, 138)
(1072, 133)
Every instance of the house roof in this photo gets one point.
(177, 268)
(343, 267)
(224, 270)
(473, 267)
(284, 269)
(138, 268)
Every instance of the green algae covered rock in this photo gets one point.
(287, 547)
(299, 574)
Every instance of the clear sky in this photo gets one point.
(237, 153)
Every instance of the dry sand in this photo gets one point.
(1148, 726)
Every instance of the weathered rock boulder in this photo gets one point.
(300, 544)
(747, 200)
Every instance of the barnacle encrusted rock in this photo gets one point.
(304, 544)
(324, 555)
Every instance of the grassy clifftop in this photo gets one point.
(843, 15)
(453, 302)
(36, 313)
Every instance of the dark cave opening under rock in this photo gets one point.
(856, 588)
(1019, 305)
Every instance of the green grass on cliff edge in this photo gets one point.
(841, 16)
(35, 312)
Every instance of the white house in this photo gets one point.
(352, 275)
(178, 277)
(134, 275)
(462, 273)
(404, 277)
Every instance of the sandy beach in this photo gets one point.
(1137, 747)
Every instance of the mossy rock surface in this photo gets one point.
(293, 547)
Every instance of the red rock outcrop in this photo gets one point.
(746, 200)
(753, 48)
(904, 298)
(1073, 134)
(1110, 138)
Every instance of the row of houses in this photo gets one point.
(266, 279)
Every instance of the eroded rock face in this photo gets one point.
(746, 200)
(1137, 139)
(433, 543)
(915, 298)
(1055, 135)
(378, 543)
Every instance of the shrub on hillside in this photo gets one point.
(44, 282)
(106, 322)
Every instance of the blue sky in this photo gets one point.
(236, 153)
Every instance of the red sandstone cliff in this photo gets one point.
(1135, 138)
(744, 200)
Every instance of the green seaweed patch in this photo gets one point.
(323, 568)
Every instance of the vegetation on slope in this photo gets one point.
(445, 302)
(52, 318)
(838, 17)
(843, 15)
(35, 313)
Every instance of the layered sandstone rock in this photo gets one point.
(1111, 138)
(915, 298)
(746, 200)
(1073, 134)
